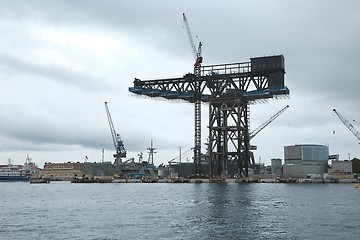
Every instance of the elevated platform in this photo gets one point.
(186, 96)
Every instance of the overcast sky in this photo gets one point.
(61, 60)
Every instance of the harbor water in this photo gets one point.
(63, 210)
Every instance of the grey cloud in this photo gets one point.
(52, 73)
(319, 40)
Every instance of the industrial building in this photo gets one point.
(301, 160)
(341, 167)
(276, 166)
(356, 166)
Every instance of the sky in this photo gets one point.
(61, 60)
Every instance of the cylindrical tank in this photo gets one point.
(161, 173)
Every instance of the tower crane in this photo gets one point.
(118, 143)
(348, 124)
(197, 98)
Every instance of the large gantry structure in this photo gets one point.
(228, 89)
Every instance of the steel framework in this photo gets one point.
(229, 89)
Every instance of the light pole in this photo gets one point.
(180, 154)
(180, 161)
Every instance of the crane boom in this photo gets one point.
(262, 126)
(118, 143)
(348, 124)
(197, 53)
(112, 129)
(193, 48)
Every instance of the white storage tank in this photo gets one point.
(161, 173)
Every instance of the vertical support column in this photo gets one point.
(243, 154)
(228, 135)
(225, 141)
(197, 138)
(212, 141)
(246, 138)
(218, 138)
(197, 121)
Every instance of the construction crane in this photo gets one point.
(348, 124)
(118, 143)
(197, 53)
(262, 126)
(197, 98)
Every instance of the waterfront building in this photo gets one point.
(356, 166)
(276, 166)
(62, 171)
(304, 159)
(102, 169)
(341, 167)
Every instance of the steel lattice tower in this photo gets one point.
(229, 89)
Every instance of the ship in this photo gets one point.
(12, 172)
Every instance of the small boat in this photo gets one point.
(119, 180)
(39, 180)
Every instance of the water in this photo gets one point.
(63, 210)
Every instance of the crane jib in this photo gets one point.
(348, 124)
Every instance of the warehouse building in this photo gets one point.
(341, 167)
(62, 171)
